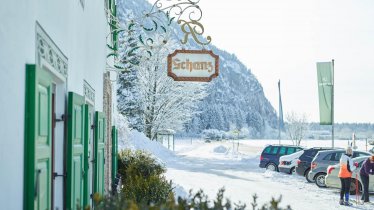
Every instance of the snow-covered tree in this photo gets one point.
(167, 104)
(129, 99)
(213, 134)
(150, 99)
(256, 123)
(297, 126)
(123, 128)
(128, 93)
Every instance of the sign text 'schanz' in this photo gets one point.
(193, 65)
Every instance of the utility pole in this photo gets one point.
(280, 113)
(279, 132)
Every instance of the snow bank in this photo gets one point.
(138, 141)
(270, 174)
(179, 191)
(220, 149)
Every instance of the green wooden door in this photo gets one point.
(38, 137)
(99, 152)
(75, 151)
(114, 153)
(87, 154)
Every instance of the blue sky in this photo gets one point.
(284, 40)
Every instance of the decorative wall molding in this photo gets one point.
(89, 92)
(47, 50)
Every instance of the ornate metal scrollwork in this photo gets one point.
(194, 29)
(140, 37)
(181, 9)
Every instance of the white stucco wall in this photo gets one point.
(96, 48)
(17, 35)
(79, 33)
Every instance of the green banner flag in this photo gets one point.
(325, 92)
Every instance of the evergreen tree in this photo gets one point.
(128, 92)
(129, 100)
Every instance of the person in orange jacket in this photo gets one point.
(345, 173)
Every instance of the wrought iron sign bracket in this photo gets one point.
(153, 30)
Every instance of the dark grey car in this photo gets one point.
(323, 159)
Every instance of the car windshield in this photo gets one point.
(292, 156)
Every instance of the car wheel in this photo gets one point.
(293, 170)
(307, 177)
(271, 167)
(320, 180)
(352, 189)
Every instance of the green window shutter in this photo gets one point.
(114, 152)
(99, 152)
(38, 137)
(75, 151)
(87, 153)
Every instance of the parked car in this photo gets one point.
(287, 163)
(303, 164)
(325, 158)
(269, 158)
(332, 179)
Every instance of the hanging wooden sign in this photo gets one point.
(193, 65)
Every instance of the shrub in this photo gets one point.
(142, 178)
(197, 201)
(145, 188)
(213, 134)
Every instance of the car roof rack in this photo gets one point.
(330, 148)
(288, 145)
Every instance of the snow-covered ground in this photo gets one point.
(211, 166)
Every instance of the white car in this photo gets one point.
(287, 163)
(332, 180)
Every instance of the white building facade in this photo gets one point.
(56, 104)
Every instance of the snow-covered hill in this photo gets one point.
(236, 100)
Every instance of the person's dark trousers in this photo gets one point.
(345, 186)
(365, 183)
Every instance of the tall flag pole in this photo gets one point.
(325, 76)
(280, 117)
(332, 104)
